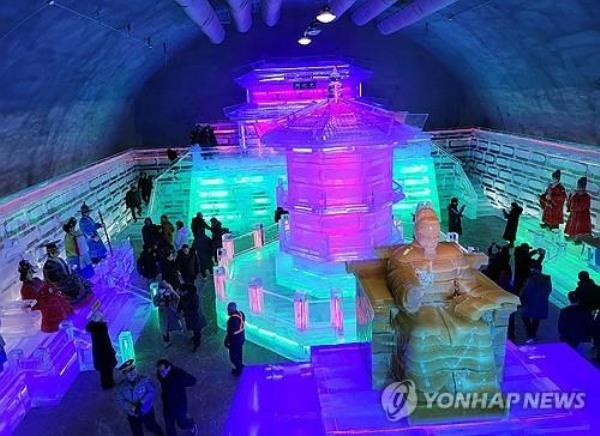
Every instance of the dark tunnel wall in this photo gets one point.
(72, 92)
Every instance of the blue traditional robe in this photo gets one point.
(89, 228)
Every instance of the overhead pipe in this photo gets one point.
(410, 14)
(271, 11)
(202, 13)
(370, 10)
(241, 11)
(339, 7)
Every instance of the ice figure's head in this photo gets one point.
(427, 229)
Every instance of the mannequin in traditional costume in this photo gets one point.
(89, 228)
(552, 202)
(58, 273)
(578, 206)
(76, 249)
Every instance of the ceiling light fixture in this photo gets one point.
(326, 16)
(313, 29)
(304, 40)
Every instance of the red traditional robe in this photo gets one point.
(580, 221)
(52, 304)
(553, 207)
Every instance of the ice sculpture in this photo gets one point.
(438, 320)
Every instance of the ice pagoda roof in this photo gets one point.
(341, 123)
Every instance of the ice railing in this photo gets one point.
(453, 181)
(291, 315)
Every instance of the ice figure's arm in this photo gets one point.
(406, 287)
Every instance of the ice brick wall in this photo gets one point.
(511, 167)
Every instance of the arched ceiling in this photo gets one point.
(73, 74)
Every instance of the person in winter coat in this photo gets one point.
(169, 270)
(189, 305)
(102, 350)
(147, 263)
(173, 383)
(135, 396)
(575, 322)
(524, 261)
(534, 299)
(188, 264)
(133, 201)
(3, 356)
(168, 230)
(455, 215)
(150, 233)
(588, 292)
(167, 301)
(512, 223)
(181, 235)
(203, 247)
(199, 226)
(217, 231)
(235, 338)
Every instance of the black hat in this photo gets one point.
(85, 208)
(582, 183)
(25, 266)
(50, 245)
(556, 174)
(71, 222)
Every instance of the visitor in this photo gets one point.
(102, 350)
(173, 383)
(524, 261)
(167, 301)
(150, 233)
(172, 156)
(189, 305)
(279, 212)
(188, 264)
(181, 235)
(133, 202)
(135, 396)
(76, 249)
(575, 322)
(534, 300)
(147, 263)
(203, 247)
(455, 215)
(498, 263)
(588, 292)
(145, 186)
(168, 230)
(76, 290)
(169, 270)
(199, 226)
(53, 306)
(235, 337)
(90, 228)
(512, 223)
(217, 230)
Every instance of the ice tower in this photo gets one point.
(339, 154)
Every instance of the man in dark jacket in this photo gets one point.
(455, 215)
(173, 383)
(147, 264)
(217, 230)
(188, 264)
(150, 233)
(512, 222)
(575, 322)
(524, 261)
(189, 305)
(169, 271)
(588, 292)
(235, 338)
(102, 350)
(534, 299)
(199, 226)
(133, 201)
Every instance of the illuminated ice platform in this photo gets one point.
(332, 395)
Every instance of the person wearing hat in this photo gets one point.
(76, 249)
(135, 396)
(133, 201)
(217, 230)
(578, 206)
(102, 349)
(552, 201)
(89, 228)
(235, 338)
(53, 306)
(57, 272)
(524, 261)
